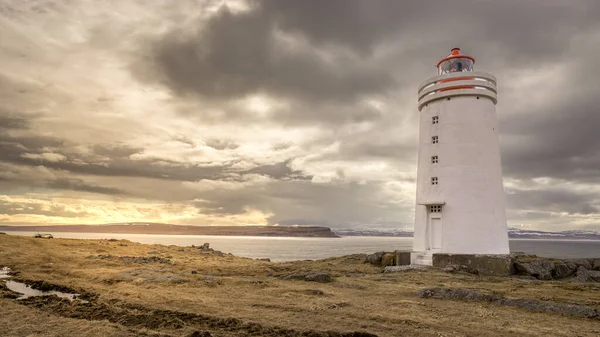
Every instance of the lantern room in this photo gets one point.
(455, 62)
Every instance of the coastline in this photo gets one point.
(178, 291)
(168, 229)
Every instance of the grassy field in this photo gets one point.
(182, 291)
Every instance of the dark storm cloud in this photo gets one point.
(80, 186)
(12, 122)
(562, 147)
(234, 55)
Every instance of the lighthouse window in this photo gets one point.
(434, 180)
(434, 139)
(434, 159)
(435, 209)
(435, 120)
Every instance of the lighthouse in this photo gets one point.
(460, 207)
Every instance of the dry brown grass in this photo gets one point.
(228, 286)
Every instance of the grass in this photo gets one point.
(361, 298)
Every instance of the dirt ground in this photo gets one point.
(153, 290)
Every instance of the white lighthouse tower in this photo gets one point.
(460, 205)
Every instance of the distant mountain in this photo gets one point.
(513, 233)
(517, 233)
(373, 232)
(161, 228)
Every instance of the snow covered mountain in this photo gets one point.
(513, 233)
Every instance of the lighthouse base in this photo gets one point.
(424, 258)
(483, 264)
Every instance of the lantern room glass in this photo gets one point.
(457, 64)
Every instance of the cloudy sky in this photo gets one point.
(283, 111)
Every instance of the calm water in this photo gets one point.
(289, 249)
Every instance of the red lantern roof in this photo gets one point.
(455, 53)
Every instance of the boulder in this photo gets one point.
(205, 247)
(582, 275)
(318, 277)
(581, 263)
(540, 269)
(594, 275)
(596, 264)
(563, 269)
(388, 259)
(375, 258)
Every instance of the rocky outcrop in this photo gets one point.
(580, 270)
(540, 269)
(563, 269)
(581, 263)
(573, 310)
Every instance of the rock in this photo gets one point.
(594, 275)
(582, 275)
(596, 264)
(205, 246)
(563, 270)
(266, 259)
(375, 258)
(388, 259)
(318, 277)
(573, 310)
(458, 294)
(200, 334)
(540, 269)
(581, 263)
(2, 233)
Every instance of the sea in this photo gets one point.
(280, 249)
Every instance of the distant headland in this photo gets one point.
(161, 228)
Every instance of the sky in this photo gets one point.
(283, 112)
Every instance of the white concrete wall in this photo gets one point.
(469, 175)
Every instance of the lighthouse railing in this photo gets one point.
(469, 83)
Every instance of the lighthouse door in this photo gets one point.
(436, 232)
